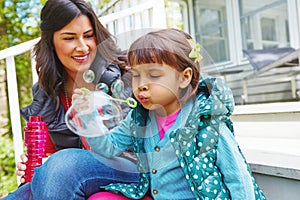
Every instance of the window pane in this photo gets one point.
(211, 28)
(268, 31)
(210, 20)
(264, 20)
(217, 47)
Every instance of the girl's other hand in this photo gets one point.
(80, 99)
(77, 94)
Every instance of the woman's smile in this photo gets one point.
(81, 58)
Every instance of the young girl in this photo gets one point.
(180, 131)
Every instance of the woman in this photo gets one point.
(72, 42)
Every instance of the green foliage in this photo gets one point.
(21, 20)
(7, 166)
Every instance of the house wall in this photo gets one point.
(281, 84)
(225, 28)
(278, 188)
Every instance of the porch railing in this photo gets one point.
(146, 15)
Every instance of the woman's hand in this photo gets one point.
(21, 167)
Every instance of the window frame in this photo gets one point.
(234, 31)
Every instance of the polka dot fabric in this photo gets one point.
(196, 143)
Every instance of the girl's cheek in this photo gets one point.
(134, 86)
(135, 93)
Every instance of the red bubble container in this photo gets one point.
(35, 136)
(49, 146)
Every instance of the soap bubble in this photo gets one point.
(102, 87)
(88, 76)
(93, 115)
(117, 87)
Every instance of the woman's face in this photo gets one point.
(75, 45)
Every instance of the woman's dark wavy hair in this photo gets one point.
(54, 16)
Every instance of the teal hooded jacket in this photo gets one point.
(196, 144)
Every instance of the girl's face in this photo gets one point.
(75, 45)
(158, 87)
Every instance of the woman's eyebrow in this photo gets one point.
(71, 33)
(67, 33)
(90, 30)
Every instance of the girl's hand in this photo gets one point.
(80, 99)
(77, 94)
(21, 167)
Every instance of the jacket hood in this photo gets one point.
(214, 97)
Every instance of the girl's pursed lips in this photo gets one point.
(142, 98)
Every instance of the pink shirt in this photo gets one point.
(164, 123)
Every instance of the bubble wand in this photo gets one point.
(131, 102)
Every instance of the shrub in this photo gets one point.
(8, 179)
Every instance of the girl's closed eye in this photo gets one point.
(135, 75)
(154, 75)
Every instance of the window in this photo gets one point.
(264, 22)
(211, 28)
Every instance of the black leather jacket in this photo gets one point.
(54, 114)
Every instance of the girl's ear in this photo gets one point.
(186, 77)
